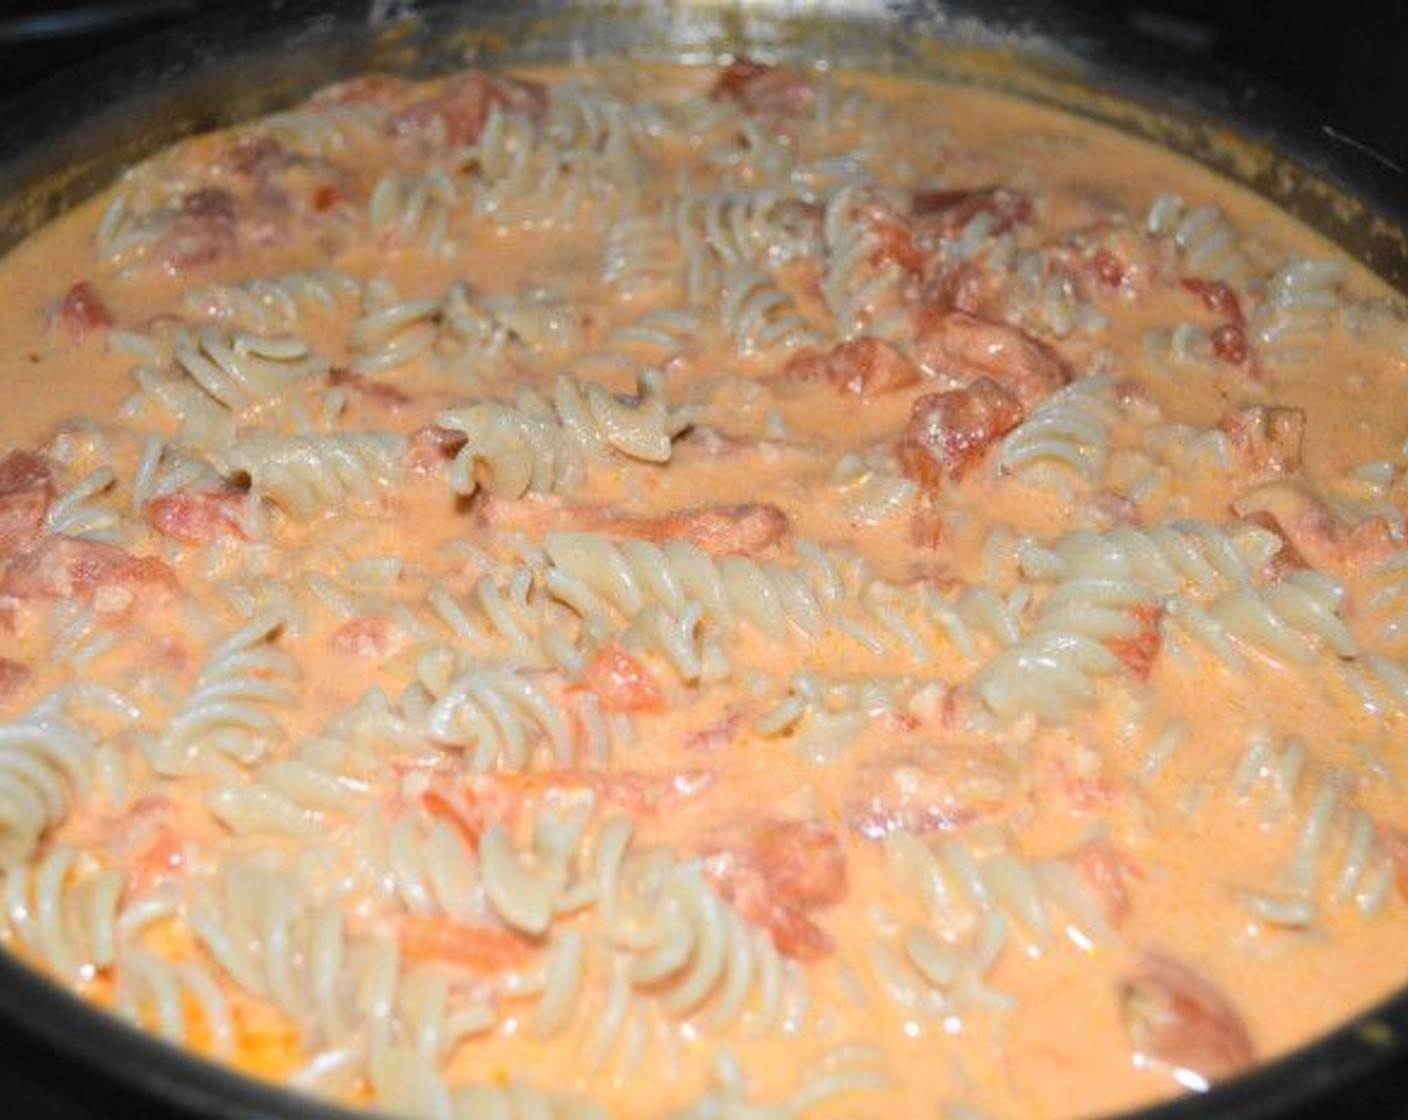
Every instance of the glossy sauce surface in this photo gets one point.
(671, 589)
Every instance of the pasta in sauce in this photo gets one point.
(665, 591)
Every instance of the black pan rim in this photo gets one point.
(73, 108)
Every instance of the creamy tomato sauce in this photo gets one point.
(661, 591)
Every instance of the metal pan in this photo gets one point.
(70, 137)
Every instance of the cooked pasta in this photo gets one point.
(677, 591)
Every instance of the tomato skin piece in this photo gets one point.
(475, 947)
(431, 447)
(164, 856)
(1177, 1018)
(469, 821)
(735, 529)
(1108, 872)
(746, 529)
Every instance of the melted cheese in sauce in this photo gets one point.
(1007, 719)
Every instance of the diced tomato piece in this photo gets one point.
(518, 94)
(1393, 843)
(1366, 542)
(146, 838)
(1218, 297)
(796, 935)
(764, 89)
(83, 313)
(371, 637)
(13, 678)
(958, 345)
(793, 932)
(1230, 345)
(622, 683)
(952, 210)
(253, 156)
(21, 471)
(204, 229)
(462, 105)
(1266, 438)
(326, 197)
(1315, 534)
(1107, 267)
(715, 737)
(948, 433)
(862, 367)
(67, 567)
(199, 516)
(478, 948)
(897, 723)
(802, 861)
(26, 492)
(960, 285)
(780, 871)
(1140, 650)
(897, 240)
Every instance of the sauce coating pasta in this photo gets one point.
(716, 591)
